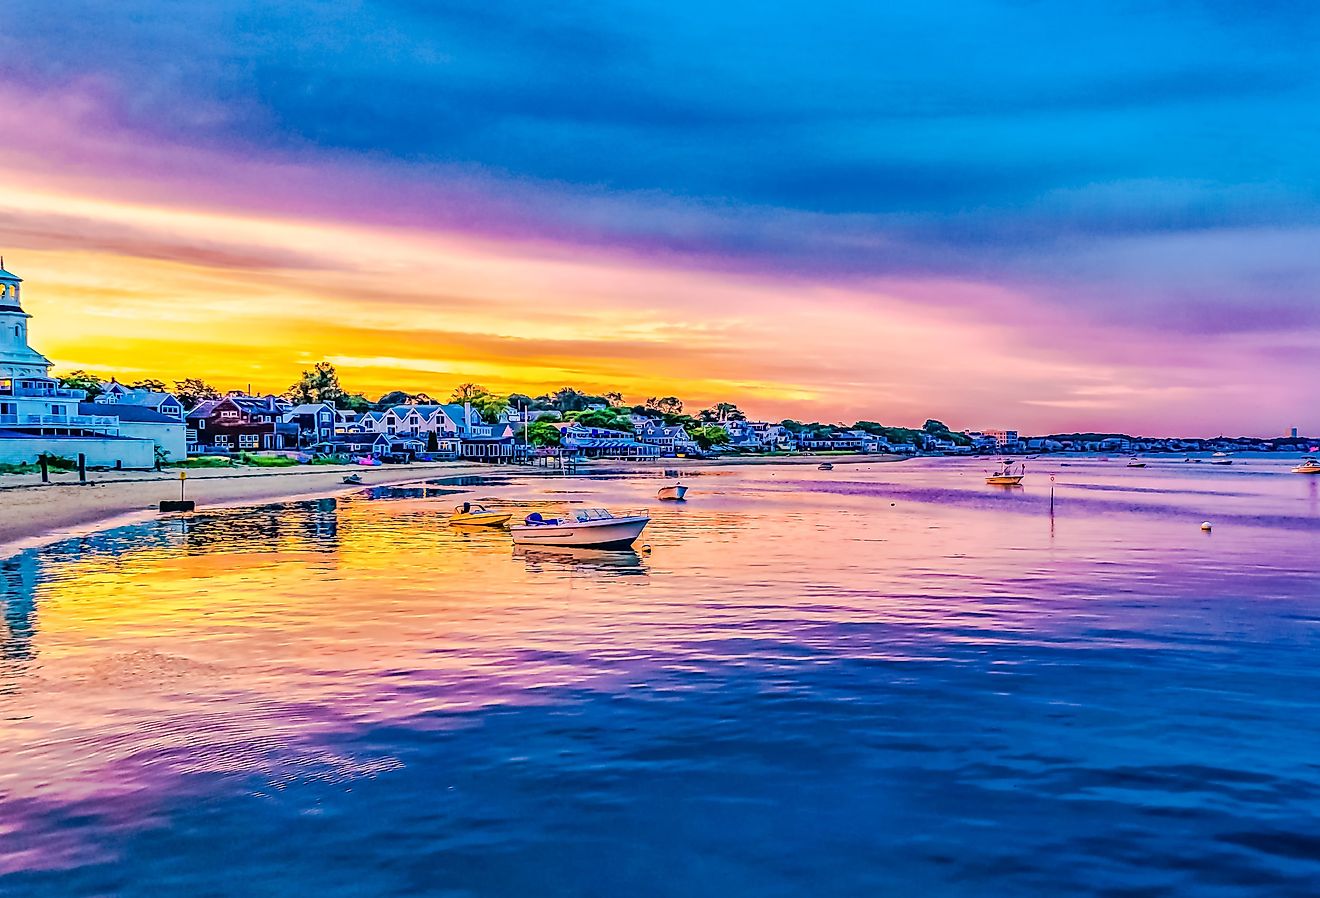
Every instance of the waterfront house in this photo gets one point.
(774, 436)
(742, 436)
(38, 416)
(316, 422)
(598, 442)
(446, 429)
(115, 393)
(670, 439)
(239, 422)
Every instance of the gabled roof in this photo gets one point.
(148, 398)
(9, 276)
(204, 408)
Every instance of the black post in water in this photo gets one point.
(82, 467)
(45, 468)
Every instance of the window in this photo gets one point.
(247, 440)
(222, 439)
(228, 413)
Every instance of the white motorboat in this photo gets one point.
(585, 527)
(673, 493)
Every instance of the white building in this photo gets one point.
(37, 415)
(1003, 439)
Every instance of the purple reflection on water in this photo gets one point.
(881, 679)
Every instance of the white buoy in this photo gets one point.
(1205, 525)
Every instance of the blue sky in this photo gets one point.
(1144, 165)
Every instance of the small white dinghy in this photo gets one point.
(586, 527)
(673, 493)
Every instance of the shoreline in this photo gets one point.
(34, 514)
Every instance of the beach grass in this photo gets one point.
(267, 461)
(204, 461)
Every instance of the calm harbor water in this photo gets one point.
(880, 680)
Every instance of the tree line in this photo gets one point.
(607, 411)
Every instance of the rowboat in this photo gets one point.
(353, 479)
(672, 493)
(1007, 475)
(469, 515)
(825, 466)
(1221, 461)
(584, 528)
(1309, 466)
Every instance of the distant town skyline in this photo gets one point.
(1051, 219)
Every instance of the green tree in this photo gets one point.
(669, 405)
(468, 393)
(81, 380)
(487, 404)
(193, 390)
(355, 402)
(721, 412)
(606, 419)
(399, 397)
(709, 436)
(148, 383)
(933, 427)
(321, 384)
(567, 399)
(543, 433)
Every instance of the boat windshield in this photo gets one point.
(582, 515)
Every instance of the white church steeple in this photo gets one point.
(17, 358)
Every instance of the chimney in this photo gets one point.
(467, 415)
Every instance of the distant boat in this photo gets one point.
(353, 479)
(1135, 462)
(1220, 455)
(471, 515)
(588, 527)
(1309, 466)
(825, 466)
(1221, 461)
(672, 493)
(1007, 475)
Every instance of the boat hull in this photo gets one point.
(487, 519)
(1008, 480)
(615, 533)
(672, 493)
(1306, 469)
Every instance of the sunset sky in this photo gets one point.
(1092, 215)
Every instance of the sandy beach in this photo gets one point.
(32, 513)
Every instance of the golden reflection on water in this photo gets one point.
(227, 642)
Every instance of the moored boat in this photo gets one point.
(352, 479)
(1308, 466)
(586, 527)
(471, 515)
(825, 466)
(672, 493)
(1007, 474)
(1135, 462)
(1221, 461)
